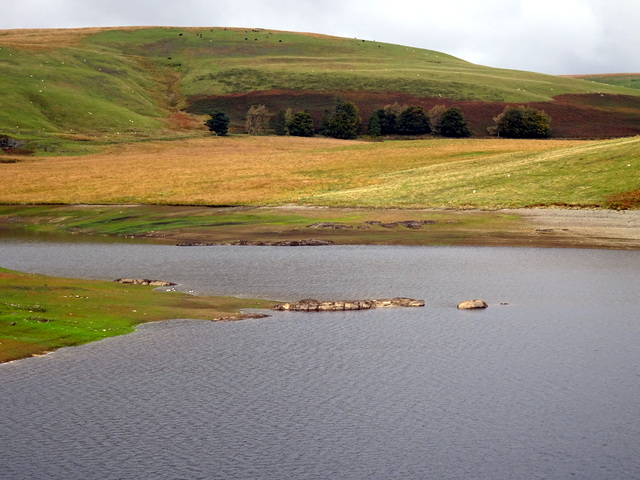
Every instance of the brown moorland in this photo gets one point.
(580, 116)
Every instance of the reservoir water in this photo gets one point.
(546, 386)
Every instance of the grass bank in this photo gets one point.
(39, 314)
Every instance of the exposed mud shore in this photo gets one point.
(530, 227)
(584, 228)
(306, 226)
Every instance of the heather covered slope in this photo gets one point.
(65, 90)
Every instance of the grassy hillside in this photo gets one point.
(67, 90)
(629, 80)
(55, 89)
(226, 61)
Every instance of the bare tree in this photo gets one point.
(435, 118)
(257, 121)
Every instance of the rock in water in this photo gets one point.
(310, 305)
(144, 281)
(472, 304)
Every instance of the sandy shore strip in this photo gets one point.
(606, 227)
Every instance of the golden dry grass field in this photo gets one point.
(268, 170)
(44, 39)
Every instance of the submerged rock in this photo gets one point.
(311, 305)
(243, 316)
(195, 244)
(312, 242)
(144, 281)
(472, 304)
(331, 225)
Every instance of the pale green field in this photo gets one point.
(582, 174)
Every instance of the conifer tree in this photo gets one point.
(387, 120)
(301, 125)
(280, 123)
(345, 121)
(413, 121)
(324, 128)
(218, 123)
(375, 129)
(453, 124)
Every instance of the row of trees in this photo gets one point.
(415, 120)
(344, 122)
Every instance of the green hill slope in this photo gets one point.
(224, 61)
(74, 89)
(132, 83)
(630, 80)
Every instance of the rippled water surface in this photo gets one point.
(544, 387)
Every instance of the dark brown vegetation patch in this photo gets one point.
(572, 116)
(624, 201)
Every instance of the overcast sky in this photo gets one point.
(548, 36)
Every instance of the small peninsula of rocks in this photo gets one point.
(144, 281)
(312, 242)
(310, 305)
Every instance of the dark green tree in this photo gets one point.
(301, 125)
(324, 128)
(374, 128)
(387, 120)
(522, 122)
(453, 124)
(345, 121)
(413, 121)
(279, 123)
(218, 123)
